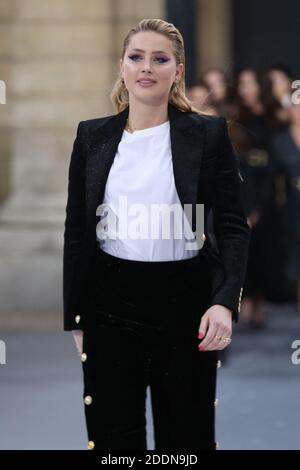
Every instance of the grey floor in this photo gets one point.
(258, 390)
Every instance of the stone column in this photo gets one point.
(59, 64)
(58, 68)
(215, 35)
(5, 70)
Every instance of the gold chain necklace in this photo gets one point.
(128, 127)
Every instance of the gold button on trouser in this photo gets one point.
(216, 402)
(83, 357)
(91, 445)
(88, 400)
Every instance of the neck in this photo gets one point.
(141, 116)
(295, 131)
(295, 125)
(256, 107)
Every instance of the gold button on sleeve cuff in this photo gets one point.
(77, 319)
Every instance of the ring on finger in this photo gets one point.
(226, 340)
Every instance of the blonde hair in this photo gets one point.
(119, 95)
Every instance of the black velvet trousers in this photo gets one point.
(142, 330)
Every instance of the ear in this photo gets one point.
(179, 70)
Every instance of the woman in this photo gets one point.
(222, 94)
(254, 119)
(281, 78)
(282, 213)
(142, 305)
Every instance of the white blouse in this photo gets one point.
(143, 218)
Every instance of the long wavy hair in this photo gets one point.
(119, 95)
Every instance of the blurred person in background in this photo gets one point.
(255, 119)
(284, 208)
(215, 79)
(281, 78)
(201, 97)
(222, 92)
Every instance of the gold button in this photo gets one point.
(216, 402)
(219, 364)
(203, 237)
(83, 357)
(91, 445)
(88, 400)
(77, 319)
(217, 445)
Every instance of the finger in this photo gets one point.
(218, 343)
(203, 327)
(209, 337)
(228, 334)
(215, 343)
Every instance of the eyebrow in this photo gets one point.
(154, 52)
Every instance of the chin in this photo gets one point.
(147, 94)
(146, 97)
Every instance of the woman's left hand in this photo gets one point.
(215, 328)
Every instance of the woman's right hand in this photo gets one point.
(78, 337)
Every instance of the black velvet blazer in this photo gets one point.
(206, 171)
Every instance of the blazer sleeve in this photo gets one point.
(74, 231)
(230, 224)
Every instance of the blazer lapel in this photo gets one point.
(103, 146)
(187, 143)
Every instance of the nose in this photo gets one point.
(147, 66)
